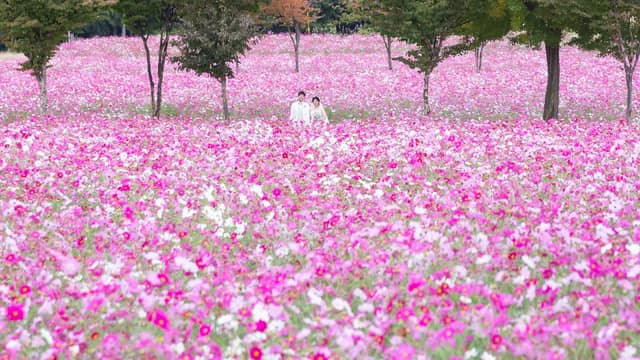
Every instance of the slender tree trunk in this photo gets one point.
(162, 59)
(629, 80)
(387, 45)
(42, 84)
(225, 104)
(237, 65)
(425, 93)
(152, 85)
(479, 52)
(124, 30)
(552, 96)
(297, 46)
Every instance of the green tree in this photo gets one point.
(329, 15)
(213, 35)
(427, 24)
(108, 23)
(543, 22)
(145, 18)
(36, 28)
(371, 13)
(491, 20)
(614, 29)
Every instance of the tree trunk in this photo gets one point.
(124, 30)
(152, 85)
(162, 59)
(225, 104)
(479, 52)
(387, 45)
(425, 93)
(297, 46)
(629, 79)
(42, 84)
(237, 65)
(552, 96)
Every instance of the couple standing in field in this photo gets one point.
(304, 113)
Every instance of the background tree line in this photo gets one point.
(212, 35)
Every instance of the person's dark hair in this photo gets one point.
(301, 93)
(315, 98)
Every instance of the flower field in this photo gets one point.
(479, 232)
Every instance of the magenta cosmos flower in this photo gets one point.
(15, 312)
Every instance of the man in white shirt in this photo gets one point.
(300, 110)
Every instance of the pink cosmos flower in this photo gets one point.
(15, 312)
(402, 351)
(255, 353)
(205, 330)
(158, 318)
(261, 325)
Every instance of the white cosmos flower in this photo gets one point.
(13, 345)
(256, 189)
(177, 348)
(359, 294)
(235, 349)
(276, 325)
(470, 354)
(186, 264)
(260, 312)
(487, 356)
(187, 212)
(315, 297)
(634, 271)
(634, 249)
(628, 353)
(485, 259)
(341, 305)
(255, 337)
(46, 335)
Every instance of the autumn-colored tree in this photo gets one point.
(293, 14)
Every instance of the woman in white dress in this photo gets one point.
(317, 112)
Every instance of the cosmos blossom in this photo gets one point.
(478, 230)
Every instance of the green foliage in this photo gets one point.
(330, 15)
(36, 27)
(490, 20)
(544, 21)
(108, 23)
(146, 17)
(213, 37)
(613, 29)
(427, 24)
(368, 13)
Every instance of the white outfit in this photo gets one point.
(318, 114)
(300, 112)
